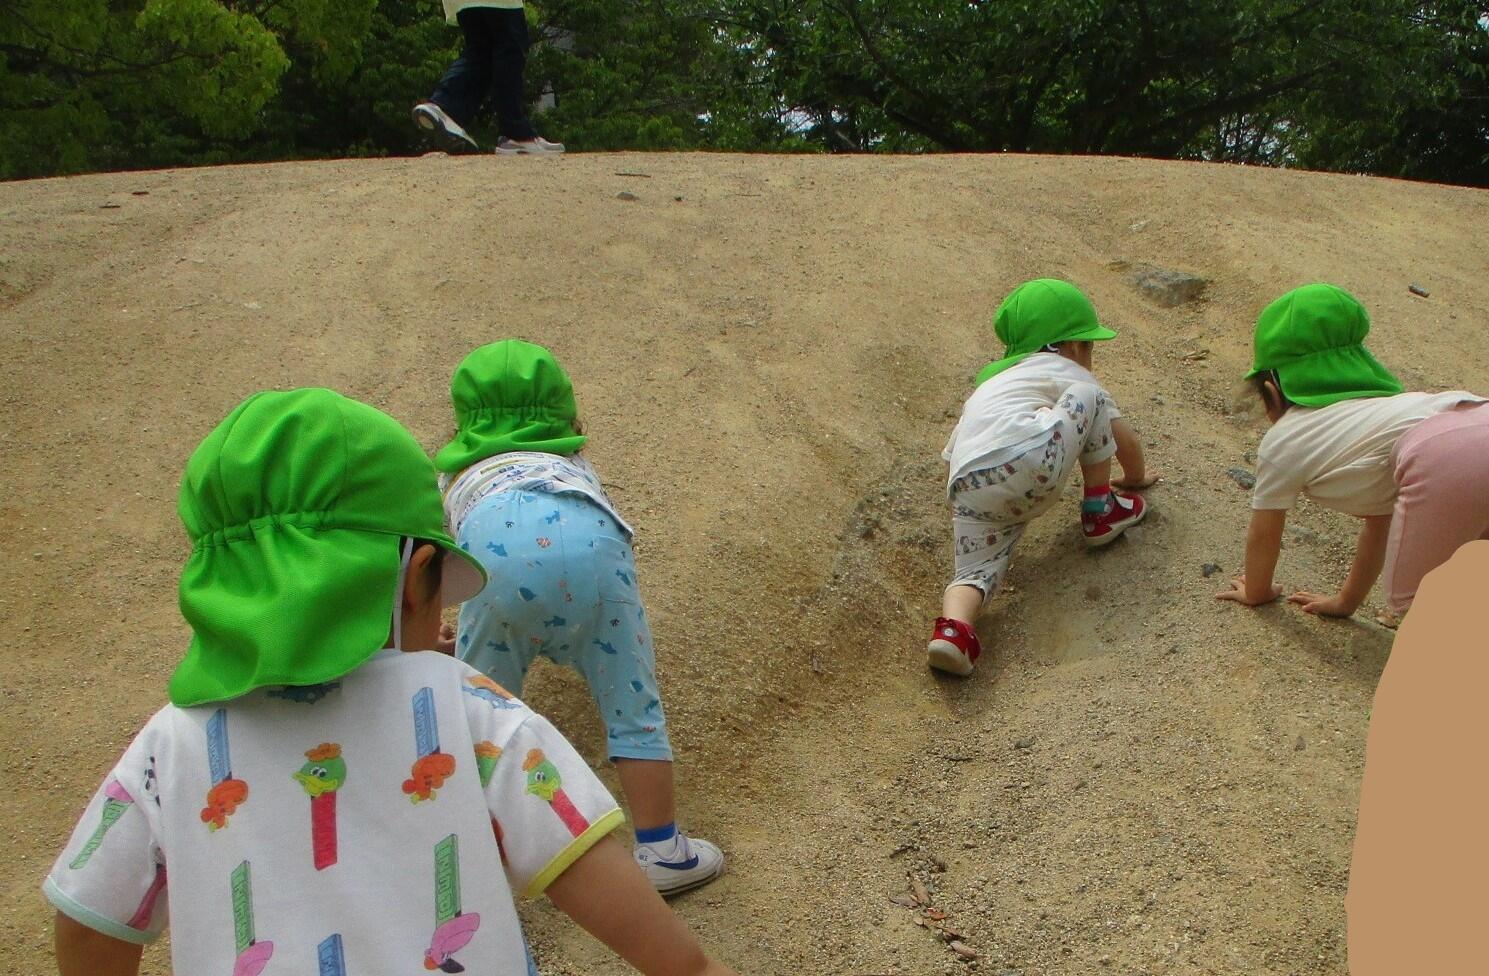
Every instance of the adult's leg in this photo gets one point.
(468, 80)
(509, 58)
(1442, 501)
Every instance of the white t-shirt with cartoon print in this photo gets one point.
(1013, 411)
(379, 823)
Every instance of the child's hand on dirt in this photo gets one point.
(1237, 592)
(1148, 480)
(1324, 606)
(446, 642)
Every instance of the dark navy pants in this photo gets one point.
(491, 63)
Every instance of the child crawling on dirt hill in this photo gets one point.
(330, 797)
(520, 499)
(1414, 467)
(1036, 414)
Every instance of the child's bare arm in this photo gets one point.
(1263, 545)
(606, 893)
(1130, 456)
(1370, 557)
(82, 951)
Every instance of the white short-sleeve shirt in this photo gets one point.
(532, 471)
(378, 823)
(1340, 455)
(1009, 413)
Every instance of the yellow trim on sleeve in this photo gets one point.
(597, 832)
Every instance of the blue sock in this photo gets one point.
(657, 835)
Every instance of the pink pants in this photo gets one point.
(1442, 473)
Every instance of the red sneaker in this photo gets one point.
(1125, 512)
(953, 648)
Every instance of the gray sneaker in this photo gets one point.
(431, 118)
(679, 865)
(536, 146)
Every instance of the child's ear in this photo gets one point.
(418, 586)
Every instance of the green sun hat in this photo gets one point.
(510, 396)
(296, 505)
(1313, 338)
(1040, 313)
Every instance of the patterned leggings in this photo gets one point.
(991, 506)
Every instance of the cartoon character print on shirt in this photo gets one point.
(431, 766)
(116, 801)
(330, 957)
(544, 783)
(322, 775)
(493, 694)
(487, 753)
(151, 782)
(453, 929)
(253, 955)
(226, 793)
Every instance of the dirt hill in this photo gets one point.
(769, 354)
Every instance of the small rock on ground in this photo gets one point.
(1169, 288)
(1243, 478)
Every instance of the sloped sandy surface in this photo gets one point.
(769, 353)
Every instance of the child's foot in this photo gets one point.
(536, 146)
(431, 118)
(1122, 513)
(679, 864)
(954, 647)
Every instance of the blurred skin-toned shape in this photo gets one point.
(1418, 901)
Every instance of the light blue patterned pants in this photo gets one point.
(563, 585)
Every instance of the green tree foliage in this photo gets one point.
(91, 84)
(1430, 121)
(622, 76)
(1381, 86)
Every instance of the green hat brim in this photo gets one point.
(1092, 333)
(1095, 333)
(480, 438)
(1332, 375)
(290, 604)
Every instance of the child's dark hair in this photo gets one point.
(435, 574)
(1259, 383)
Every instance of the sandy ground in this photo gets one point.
(769, 353)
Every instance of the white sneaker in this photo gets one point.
(680, 864)
(536, 146)
(431, 118)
